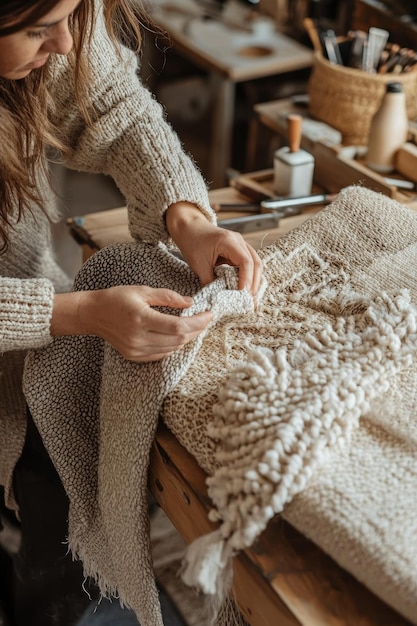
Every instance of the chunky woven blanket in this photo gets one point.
(303, 406)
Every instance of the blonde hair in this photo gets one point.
(26, 130)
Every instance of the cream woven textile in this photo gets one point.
(305, 406)
(316, 395)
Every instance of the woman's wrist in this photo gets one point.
(181, 215)
(69, 315)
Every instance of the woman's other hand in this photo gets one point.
(204, 246)
(124, 317)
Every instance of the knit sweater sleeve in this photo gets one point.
(130, 139)
(25, 313)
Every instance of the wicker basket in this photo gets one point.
(346, 98)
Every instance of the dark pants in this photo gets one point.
(41, 585)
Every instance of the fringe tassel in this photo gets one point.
(207, 565)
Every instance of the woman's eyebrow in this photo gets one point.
(46, 24)
(49, 24)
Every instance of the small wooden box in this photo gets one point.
(337, 167)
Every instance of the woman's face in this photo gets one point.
(28, 49)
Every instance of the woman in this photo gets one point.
(69, 85)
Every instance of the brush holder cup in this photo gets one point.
(347, 98)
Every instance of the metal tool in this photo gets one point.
(409, 185)
(332, 47)
(277, 208)
(251, 223)
(278, 204)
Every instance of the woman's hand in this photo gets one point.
(204, 245)
(123, 316)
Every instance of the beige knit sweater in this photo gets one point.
(129, 141)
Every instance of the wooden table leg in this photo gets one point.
(221, 143)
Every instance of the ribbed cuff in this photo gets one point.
(25, 313)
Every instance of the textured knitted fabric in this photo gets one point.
(97, 414)
(304, 405)
(309, 408)
(130, 141)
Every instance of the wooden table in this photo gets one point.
(284, 579)
(230, 57)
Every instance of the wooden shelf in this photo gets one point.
(366, 14)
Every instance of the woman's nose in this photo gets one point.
(60, 42)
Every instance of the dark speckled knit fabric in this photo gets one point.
(97, 414)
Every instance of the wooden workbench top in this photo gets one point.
(97, 230)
